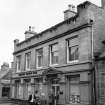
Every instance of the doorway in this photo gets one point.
(55, 93)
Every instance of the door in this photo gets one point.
(55, 93)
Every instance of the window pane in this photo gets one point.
(39, 61)
(18, 63)
(54, 59)
(73, 42)
(39, 57)
(74, 90)
(54, 54)
(72, 49)
(73, 53)
(40, 52)
(28, 59)
(54, 47)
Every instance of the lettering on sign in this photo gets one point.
(28, 73)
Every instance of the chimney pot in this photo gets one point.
(16, 41)
(71, 7)
(70, 12)
(30, 32)
(5, 66)
(29, 28)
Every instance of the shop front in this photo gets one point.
(56, 87)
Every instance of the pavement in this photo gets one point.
(8, 104)
(5, 104)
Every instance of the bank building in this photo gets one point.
(59, 60)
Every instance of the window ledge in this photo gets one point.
(75, 61)
(28, 69)
(53, 64)
(39, 67)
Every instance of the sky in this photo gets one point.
(17, 15)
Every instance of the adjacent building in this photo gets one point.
(5, 77)
(59, 61)
(99, 64)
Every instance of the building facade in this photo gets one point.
(58, 62)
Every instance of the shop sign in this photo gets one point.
(5, 81)
(28, 73)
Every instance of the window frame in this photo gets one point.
(67, 49)
(18, 65)
(37, 66)
(50, 54)
(27, 69)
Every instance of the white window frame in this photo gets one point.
(76, 45)
(26, 61)
(50, 47)
(37, 56)
(18, 63)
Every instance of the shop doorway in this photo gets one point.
(5, 92)
(55, 93)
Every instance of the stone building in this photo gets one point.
(5, 76)
(99, 64)
(59, 61)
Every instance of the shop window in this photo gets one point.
(5, 91)
(18, 63)
(17, 90)
(27, 61)
(72, 50)
(74, 90)
(54, 54)
(29, 89)
(20, 91)
(39, 57)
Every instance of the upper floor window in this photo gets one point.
(27, 60)
(18, 63)
(72, 50)
(39, 57)
(54, 54)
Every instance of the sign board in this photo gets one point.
(30, 73)
(5, 81)
(27, 73)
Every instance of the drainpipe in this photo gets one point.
(93, 65)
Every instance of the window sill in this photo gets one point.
(28, 69)
(75, 61)
(18, 71)
(53, 64)
(39, 67)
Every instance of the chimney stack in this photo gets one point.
(30, 32)
(70, 12)
(16, 41)
(5, 66)
(103, 3)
